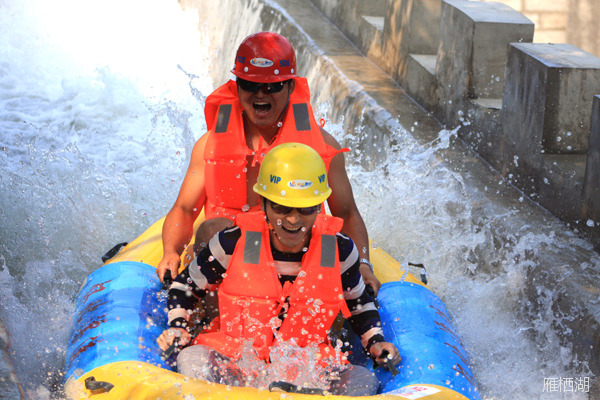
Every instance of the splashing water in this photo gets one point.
(480, 263)
(288, 362)
(87, 121)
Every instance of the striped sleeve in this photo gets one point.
(365, 320)
(198, 278)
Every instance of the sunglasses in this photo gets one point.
(248, 86)
(284, 210)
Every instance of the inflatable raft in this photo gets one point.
(120, 311)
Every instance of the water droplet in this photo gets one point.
(246, 207)
(431, 366)
(283, 193)
(279, 222)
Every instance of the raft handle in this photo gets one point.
(113, 252)
(167, 280)
(369, 289)
(423, 271)
(283, 386)
(174, 347)
(97, 387)
(389, 365)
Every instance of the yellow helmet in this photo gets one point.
(293, 175)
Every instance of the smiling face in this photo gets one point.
(262, 109)
(290, 232)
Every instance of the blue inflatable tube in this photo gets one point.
(120, 311)
(417, 322)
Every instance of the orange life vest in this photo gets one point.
(251, 296)
(226, 151)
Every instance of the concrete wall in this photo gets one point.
(526, 108)
(562, 21)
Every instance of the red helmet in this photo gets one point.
(265, 57)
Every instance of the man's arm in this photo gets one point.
(182, 300)
(178, 227)
(365, 319)
(342, 205)
(198, 278)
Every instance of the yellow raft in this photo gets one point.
(119, 313)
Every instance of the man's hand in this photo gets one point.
(369, 278)
(166, 338)
(169, 262)
(385, 354)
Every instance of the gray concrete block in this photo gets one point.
(546, 121)
(371, 37)
(420, 79)
(560, 186)
(360, 20)
(411, 26)
(423, 28)
(482, 129)
(573, 80)
(591, 190)
(547, 100)
(471, 56)
(371, 7)
(375, 22)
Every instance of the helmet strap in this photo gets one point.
(287, 103)
(264, 205)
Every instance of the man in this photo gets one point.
(267, 105)
(284, 274)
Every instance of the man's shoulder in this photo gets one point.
(345, 245)
(198, 150)
(229, 237)
(330, 140)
